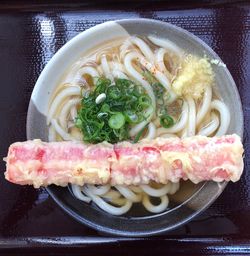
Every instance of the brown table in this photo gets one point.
(30, 34)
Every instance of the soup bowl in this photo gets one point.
(191, 199)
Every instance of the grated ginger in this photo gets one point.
(195, 74)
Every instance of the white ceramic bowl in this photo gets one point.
(201, 196)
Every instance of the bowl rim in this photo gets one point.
(95, 225)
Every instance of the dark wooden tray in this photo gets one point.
(30, 33)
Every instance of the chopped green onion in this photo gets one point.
(149, 77)
(78, 122)
(159, 90)
(102, 115)
(85, 94)
(123, 83)
(108, 111)
(102, 85)
(144, 101)
(139, 134)
(131, 116)
(105, 108)
(122, 133)
(103, 82)
(116, 121)
(114, 92)
(166, 121)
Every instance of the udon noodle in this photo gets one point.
(130, 58)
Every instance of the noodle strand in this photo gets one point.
(191, 117)
(206, 102)
(224, 116)
(155, 208)
(57, 101)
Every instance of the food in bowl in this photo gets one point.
(146, 91)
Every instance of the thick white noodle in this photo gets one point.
(179, 125)
(71, 76)
(124, 48)
(144, 48)
(151, 131)
(117, 65)
(89, 71)
(58, 100)
(211, 127)
(167, 44)
(206, 102)
(64, 114)
(129, 194)
(156, 192)
(161, 64)
(52, 134)
(137, 76)
(119, 74)
(224, 116)
(99, 190)
(137, 128)
(77, 191)
(174, 188)
(155, 208)
(184, 133)
(106, 206)
(65, 136)
(105, 68)
(191, 117)
(112, 194)
(99, 68)
(73, 112)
